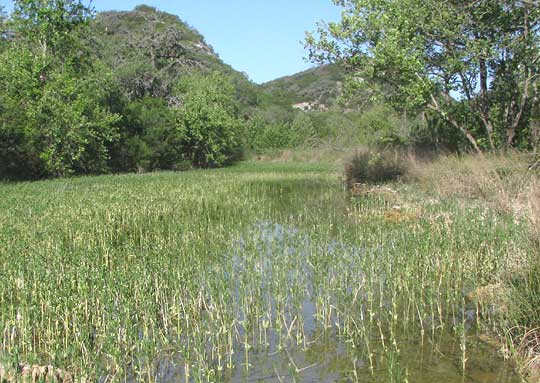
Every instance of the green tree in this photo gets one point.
(76, 124)
(51, 24)
(303, 130)
(473, 63)
(54, 119)
(207, 118)
(59, 120)
(149, 138)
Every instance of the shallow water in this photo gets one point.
(327, 360)
(293, 339)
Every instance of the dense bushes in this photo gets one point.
(207, 120)
(64, 112)
(147, 137)
(376, 126)
(262, 134)
(54, 120)
(200, 130)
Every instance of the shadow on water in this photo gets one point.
(294, 319)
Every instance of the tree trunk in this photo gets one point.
(527, 76)
(477, 109)
(535, 122)
(484, 102)
(437, 108)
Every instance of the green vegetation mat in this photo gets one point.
(260, 271)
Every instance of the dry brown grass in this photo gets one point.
(503, 182)
(527, 348)
(529, 203)
(26, 373)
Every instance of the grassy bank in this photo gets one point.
(264, 270)
(509, 186)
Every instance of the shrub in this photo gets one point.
(302, 130)
(53, 121)
(374, 167)
(208, 120)
(262, 135)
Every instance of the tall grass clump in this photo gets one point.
(526, 296)
(529, 199)
(368, 166)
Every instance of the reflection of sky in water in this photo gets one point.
(289, 272)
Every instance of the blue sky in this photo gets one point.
(259, 37)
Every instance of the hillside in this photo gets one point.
(141, 90)
(149, 50)
(314, 89)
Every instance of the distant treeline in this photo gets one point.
(86, 93)
(117, 92)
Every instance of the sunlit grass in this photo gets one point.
(194, 276)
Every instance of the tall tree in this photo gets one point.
(475, 63)
(54, 117)
(51, 23)
(208, 120)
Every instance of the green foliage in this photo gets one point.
(381, 125)
(377, 125)
(264, 135)
(74, 124)
(339, 129)
(345, 110)
(261, 134)
(483, 57)
(148, 138)
(54, 118)
(51, 23)
(303, 129)
(207, 119)
(137, 80)
(430, 133)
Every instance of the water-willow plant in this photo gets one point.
(192, 276)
